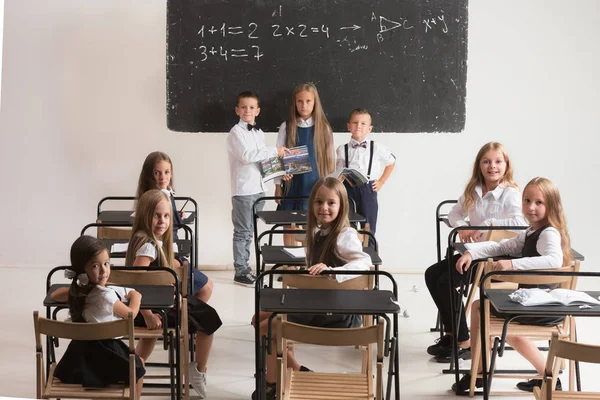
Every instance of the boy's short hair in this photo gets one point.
(247, 95)
(360, 111)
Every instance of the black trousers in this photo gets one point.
(437, 278)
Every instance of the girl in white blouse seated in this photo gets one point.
(490, 198)
(545, 245)
(152, 245)
(331, 245)
(96, 363)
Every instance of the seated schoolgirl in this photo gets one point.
(490, 198)
(151, 245)
(96, 363)
(331, 245)
(157, 173)
(545, 245)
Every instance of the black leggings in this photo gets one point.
(437, 278)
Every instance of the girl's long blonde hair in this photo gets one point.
(478, 179)
(342, 221)
(323, 139)
(554, 213)
(142, 229)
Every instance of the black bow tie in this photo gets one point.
(255, 126)
(362, 144)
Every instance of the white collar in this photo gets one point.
(305, 123)
(496, 192)
(365, 140)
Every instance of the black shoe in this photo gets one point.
(440, 345)
(464, 385)
(246, 278)
(304, 369)
(270, 395)
(530, 384)
(446, 355)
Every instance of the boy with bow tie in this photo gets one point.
(246, 147)
(372, 159)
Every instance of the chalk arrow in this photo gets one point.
(388, 25)
(353, 27)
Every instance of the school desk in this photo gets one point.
(155, 297)
(316, 301)
(501, 302)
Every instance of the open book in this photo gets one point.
(296, 252)
(295, 162)
(352, 176)
(538, 297)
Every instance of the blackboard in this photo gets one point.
(404, 60)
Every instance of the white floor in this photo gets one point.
(231, 367)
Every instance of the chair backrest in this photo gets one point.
(305, 281)
(496, 235)
(82, 330)
(114, 232)
(566, 282)
(565, 349)
(331, 337)
(131, 277)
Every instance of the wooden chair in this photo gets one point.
(317, 385)
(562, 349)
(132, 277)
(113, 232)
(53, 387)
(360, 282)
(494, 325)
(493, 236)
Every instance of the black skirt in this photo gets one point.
(97, 363)
(201, 317)
(326, 321)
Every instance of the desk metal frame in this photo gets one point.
(261, 343)
(521, 311)
(174, 356)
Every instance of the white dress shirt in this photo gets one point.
(282, 136)
(548, 246)
(350, 248)
(500, 207)
(358, 158)
(246, 148)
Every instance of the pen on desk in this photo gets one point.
(282, 298)
(184, 204)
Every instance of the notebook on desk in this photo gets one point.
(296, 252)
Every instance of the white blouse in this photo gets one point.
(350, 248)
(548, 246)
(499, 207)
(100, 302)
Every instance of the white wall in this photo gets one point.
(83, 102)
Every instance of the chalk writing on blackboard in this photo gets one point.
(405, 60)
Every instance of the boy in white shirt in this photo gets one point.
(372, 159)
(246, 147)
